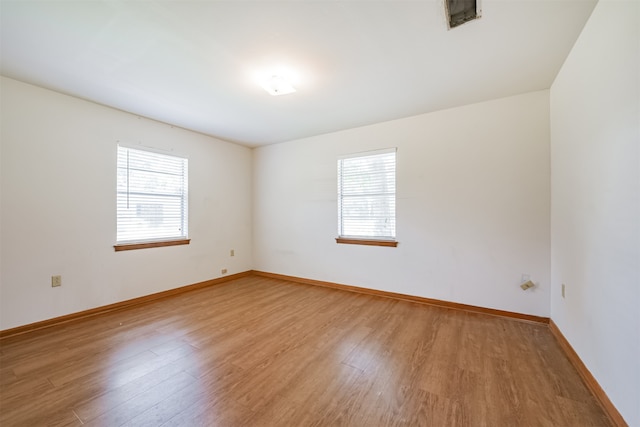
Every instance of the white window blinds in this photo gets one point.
(152, 196)
(367, 195)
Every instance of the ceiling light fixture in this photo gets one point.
(278, 85)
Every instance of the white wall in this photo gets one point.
(58, 170)
(472, 206)
(595, 139)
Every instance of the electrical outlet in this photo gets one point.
(526, 285)
(56, 281)
(563, 290)
(232, 252)
(224, 271)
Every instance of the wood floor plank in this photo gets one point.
(266, 352)
(11, 395)
(98, 404)
(137, 405)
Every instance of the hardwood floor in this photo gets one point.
(265, 352)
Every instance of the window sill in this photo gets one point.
(368, 242)
(133, 246)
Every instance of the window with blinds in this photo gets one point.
(151, 197)
(367, 195)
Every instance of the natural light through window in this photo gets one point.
(367, 197)
(152, 200)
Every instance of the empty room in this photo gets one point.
(320, 213)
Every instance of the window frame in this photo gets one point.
(154, 242)
(360, 239)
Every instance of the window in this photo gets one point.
(152, 199)
(367, 198)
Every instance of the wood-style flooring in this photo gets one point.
(264, 352)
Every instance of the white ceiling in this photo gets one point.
(194, 63)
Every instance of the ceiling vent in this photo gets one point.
(461, 11)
